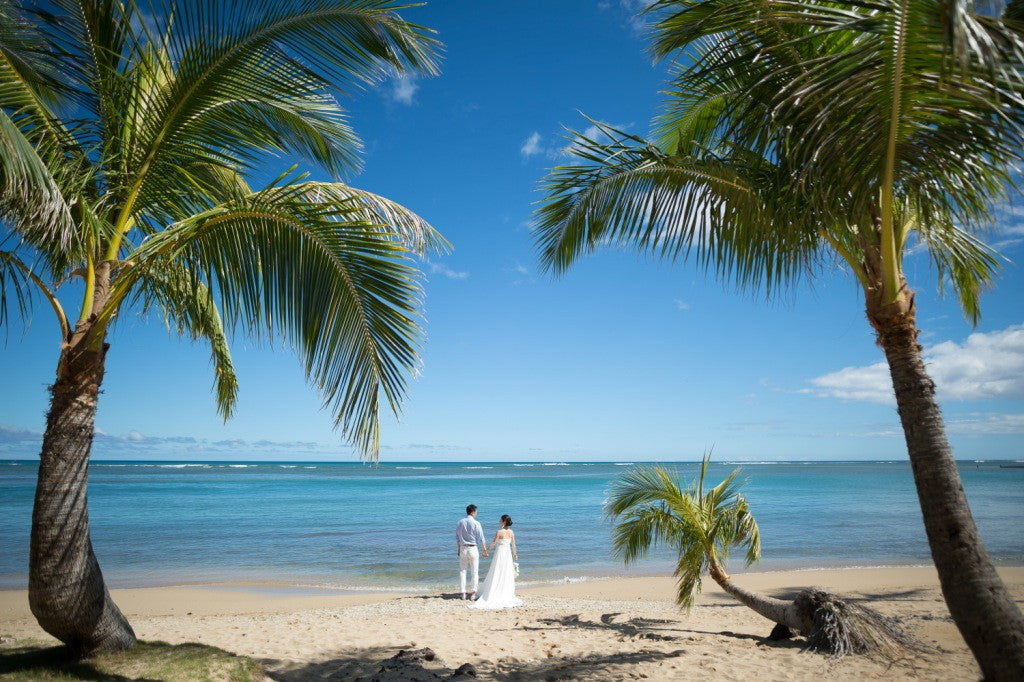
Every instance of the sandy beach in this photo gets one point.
(610, 629)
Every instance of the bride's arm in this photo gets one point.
(493, 542)
(515, 554)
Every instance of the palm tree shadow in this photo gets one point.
(590, 667)
(914, 594)
(352, 665)
(791, 643)
(642, 628)
(447, 596)
(368, 663)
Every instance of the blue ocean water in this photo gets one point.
(353, 526)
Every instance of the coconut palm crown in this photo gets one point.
(651, 508)
(129, 137)
(126, 139)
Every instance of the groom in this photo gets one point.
(469, 542)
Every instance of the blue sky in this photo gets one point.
(624, 358)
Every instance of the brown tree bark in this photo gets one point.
(776, 610)
(67, 593)
(981, 606)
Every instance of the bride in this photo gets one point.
(499, 588)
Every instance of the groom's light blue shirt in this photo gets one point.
(468, 531)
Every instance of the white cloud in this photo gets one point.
(135, 437)
(870, 383)
(637, 21)
(986, 366)
(404, 89)
(445, 271)
(531, 145)
(681, 304)
(987, 424)
(520, 274)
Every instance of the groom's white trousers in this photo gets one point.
(469, 558)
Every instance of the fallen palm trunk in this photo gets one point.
(831, 624)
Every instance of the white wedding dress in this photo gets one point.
(499, 588)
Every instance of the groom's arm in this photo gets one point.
(480, 538)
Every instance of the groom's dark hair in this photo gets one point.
(470, 509)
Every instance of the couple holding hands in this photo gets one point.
(499, 588)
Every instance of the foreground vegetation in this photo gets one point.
(31, 660)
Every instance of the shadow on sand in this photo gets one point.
(456, 596)
(373, 664)
(641, 628)
(390, 664)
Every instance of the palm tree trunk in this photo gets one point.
(978, 601)
(66, 590)
(775, 610)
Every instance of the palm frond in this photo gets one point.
(690, 566)
(964, 261)
(629, 192)
(31, 198)
(412, 230)
(650, 509)
(189, 309)
(14, 284)
(639, 486)
(289, 262)
(643, 528)
(250, 79)
(29, 73)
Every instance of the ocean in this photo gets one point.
(350, 526)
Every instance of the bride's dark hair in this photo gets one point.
(506, 519)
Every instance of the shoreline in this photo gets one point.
(302, 587)
(611, 628)
(277, 596)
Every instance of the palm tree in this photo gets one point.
(125, 141)
(702, 526)
(651, 508)
(800, 133)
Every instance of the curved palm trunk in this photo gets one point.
(978, 601)
(66, 590)
(775, 610)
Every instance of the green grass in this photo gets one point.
(31, 660)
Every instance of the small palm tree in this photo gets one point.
(651, 508)
(125, 141)
(803, 134)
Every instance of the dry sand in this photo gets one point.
(612, 629)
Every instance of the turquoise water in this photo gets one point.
(351, 526)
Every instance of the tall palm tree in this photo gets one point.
(125, 141)
(802, 132)
(651, 508)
